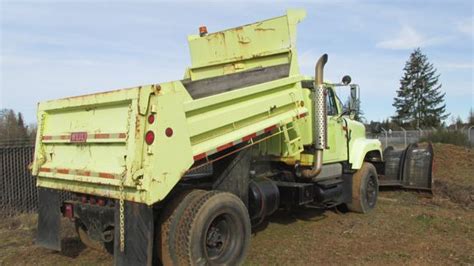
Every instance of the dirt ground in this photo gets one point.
(407, 227)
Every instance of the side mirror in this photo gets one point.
(354, 100)
(354, 92)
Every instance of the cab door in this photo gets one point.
(336, 149)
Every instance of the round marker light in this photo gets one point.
(169, 132)
(149, 137)
(151, 119)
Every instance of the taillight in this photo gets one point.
(68, 210)
(149, 137)
(151, 119)
(101, 202)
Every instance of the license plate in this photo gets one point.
(79, 137)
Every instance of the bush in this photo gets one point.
(449, 137)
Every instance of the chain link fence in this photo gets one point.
(401, 139)
(18, 193)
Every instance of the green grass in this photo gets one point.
(449, 137)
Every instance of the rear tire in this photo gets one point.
(214, 230)
(168, 222)
(365, 189)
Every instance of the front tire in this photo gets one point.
(214, 230)
(365, 189)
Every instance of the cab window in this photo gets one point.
(331, 103)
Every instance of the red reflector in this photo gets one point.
(151, 119)
(68, 211)
(169, 132)
(149, 137)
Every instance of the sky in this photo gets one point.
(55, 49)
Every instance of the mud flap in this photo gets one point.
(409, 168)
(233, 175)
(138, 235)
(49, 219)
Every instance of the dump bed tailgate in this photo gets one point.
(90, 140)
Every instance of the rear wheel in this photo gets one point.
(214, 230)
(171, 215)
(365, 189)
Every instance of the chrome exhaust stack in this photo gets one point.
(319, 119)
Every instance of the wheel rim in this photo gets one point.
(221, 238)
(371, 191)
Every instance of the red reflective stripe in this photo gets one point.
(249, 137)
(78, 172)
(268, 129)
(101, 136)
(93, 136)
(106, 175)
(225, 146)
(199, 156)
(63, 171)
(230, 144)
(83, 172)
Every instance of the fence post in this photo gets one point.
(421, 132)
(469, 133)
(386, 137)
(404, 136)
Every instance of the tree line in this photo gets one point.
(13, 127)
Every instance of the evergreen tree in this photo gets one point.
(419, 101)
(22, 129)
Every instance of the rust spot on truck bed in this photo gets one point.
(137, 125)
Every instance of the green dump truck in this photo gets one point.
(179, 172)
